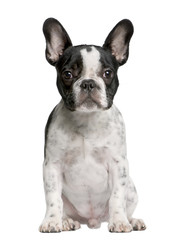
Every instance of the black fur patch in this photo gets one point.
(71, 61)
(47, 129)
(109, 61)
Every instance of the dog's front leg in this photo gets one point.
(118, 221)
(53, 188)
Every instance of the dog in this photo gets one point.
(85, 170)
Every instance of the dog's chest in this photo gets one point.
(85, 177)
(86, 147)
(85, 161)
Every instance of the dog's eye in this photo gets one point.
(107, 74)
(67, 75)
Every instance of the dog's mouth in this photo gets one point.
(89, 101)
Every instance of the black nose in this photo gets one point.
(88, 85)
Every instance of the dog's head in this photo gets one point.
(87, 74)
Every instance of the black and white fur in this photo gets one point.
(86, 174)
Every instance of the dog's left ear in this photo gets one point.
(118, 40)
(57, 40)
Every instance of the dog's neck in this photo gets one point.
(87, 121)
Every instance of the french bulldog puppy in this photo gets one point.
(85, 170)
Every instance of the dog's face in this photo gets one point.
(87, 74)
(87, 78)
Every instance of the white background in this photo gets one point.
(147, 98)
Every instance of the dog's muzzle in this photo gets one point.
(88, 85)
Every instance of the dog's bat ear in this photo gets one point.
(118, 40)
(57, 40)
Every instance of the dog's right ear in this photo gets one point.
(118, 40)
(57, 40)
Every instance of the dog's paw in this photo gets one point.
(51, 224)
(138, 224)
(120, 226)
(68, 224)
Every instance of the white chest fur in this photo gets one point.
(84, 146)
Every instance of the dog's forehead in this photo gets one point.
(91, 59)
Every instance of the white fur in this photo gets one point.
(91, 69)
(86, 172)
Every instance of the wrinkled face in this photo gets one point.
(87, 78)
(87, 75)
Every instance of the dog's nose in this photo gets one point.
(88, 85)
